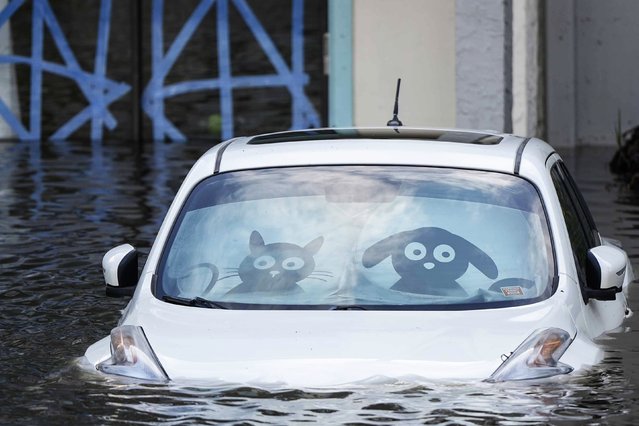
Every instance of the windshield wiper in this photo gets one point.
(197, 302)
(347, 308)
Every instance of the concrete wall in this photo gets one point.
(593, 58)
(560, 81)
(528, 76)
(607, 65)
(411, 39)
(484, 64)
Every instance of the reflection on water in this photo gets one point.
(62, 205)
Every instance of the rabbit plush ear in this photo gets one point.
(381, 250)
(256, 241)
(314, 246)
(479, 259)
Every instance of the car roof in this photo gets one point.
(467, 149)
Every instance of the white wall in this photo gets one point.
(528, 85)
(607, 66)
(560, 81)
(484, 64)
(411, 39)
(592, 69)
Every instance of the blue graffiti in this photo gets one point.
(100, 92)
(293, 78)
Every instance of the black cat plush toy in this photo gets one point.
(429, 260)
(276, 267)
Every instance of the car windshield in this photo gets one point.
(359, 237)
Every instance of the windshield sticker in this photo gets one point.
(429, 260)
(277, 266)
(512, 291)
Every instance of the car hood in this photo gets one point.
(319, 348)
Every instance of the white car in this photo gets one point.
(331, 256)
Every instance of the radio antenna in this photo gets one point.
(394, 122)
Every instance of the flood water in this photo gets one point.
(63, 205)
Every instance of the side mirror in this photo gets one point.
(120, 268)
(605, 273)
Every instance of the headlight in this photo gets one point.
(537, 357)
(132, 356)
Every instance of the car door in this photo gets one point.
(600, 316)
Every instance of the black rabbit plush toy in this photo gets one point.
(429, 260)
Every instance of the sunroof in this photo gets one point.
(477, 138)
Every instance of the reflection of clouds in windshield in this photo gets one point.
(486, 187)
(353, 210)
(337, 186)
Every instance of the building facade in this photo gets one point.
(562, 70)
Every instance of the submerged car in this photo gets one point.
(331, 256)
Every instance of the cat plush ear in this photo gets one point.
(314, 246)
(381, 250)
(256, 241)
